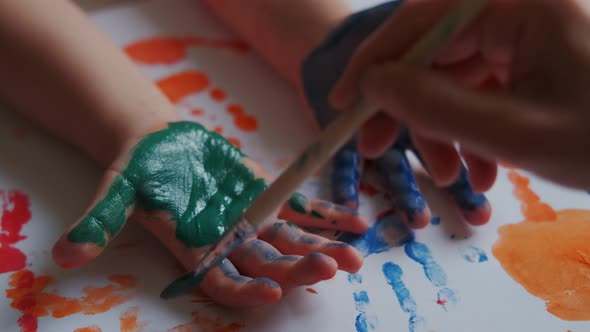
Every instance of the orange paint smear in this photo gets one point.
(91, 328)
(205, 324)
(531, 206)
(311, 290)
(129, 322)
(29, 295)
(549, 257)
(183, 84)
(170, 50)
(242, 120)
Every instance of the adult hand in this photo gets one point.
(538, 51)
(321, 70)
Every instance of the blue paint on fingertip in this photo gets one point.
(394, 166)
(345, 176)
(462, 192)
(269, 282)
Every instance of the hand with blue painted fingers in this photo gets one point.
(321, 71)
(186, 185)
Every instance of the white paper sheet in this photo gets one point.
(59, 183)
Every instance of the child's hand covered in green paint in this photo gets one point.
(187, 185)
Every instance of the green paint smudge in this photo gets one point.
(298, 203)
(195, 175)
(317, 214)
(292, 225)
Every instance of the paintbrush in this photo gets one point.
(331, 140)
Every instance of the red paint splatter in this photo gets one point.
(242, 120)
(236, 142)
(311, 290)
(91, 328)
(441, 302)
(171, 50)
(29, 296)
(15, 214)
(205, 324)
(197, 111)
(368, 189)
(217, 94)
(384, 213)
(183, 84)
(218, 129)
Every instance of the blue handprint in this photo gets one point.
(320, 71)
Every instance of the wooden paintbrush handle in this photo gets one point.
(328, 143)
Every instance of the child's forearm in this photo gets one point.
(282, 31)
(64, 75)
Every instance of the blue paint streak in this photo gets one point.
(345, 176)
(462, 193)
(386, 233)
(363, 322)
(361, 300)
(343, 208)
(420, 253)
(435, 221)
(393, 274)
(263, 249)
(399, 178)
(355, 278)
(448, 296)
(474, 255)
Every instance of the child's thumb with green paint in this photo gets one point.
(100, 223)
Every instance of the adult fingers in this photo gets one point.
(389, 42)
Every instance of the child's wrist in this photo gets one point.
(126, 134)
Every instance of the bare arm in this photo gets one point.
(282, 31)
(64, 75)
